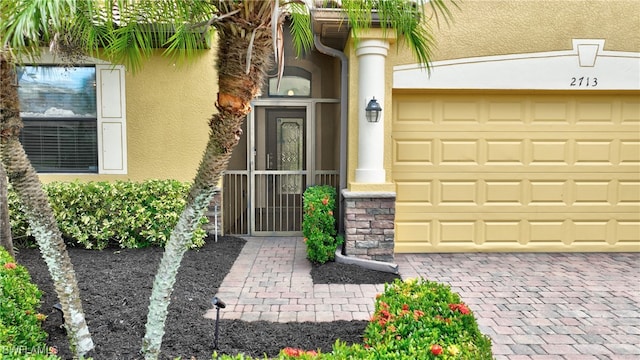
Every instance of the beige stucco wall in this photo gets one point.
(500, 27)
(168, 107)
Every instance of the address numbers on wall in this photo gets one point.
(584, 81)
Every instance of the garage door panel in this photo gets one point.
(627, 231)
(629, 152)
(506, 232)
(510, 152)
(414, 152)
(424, 247)
(589, 112)
(506, 112)
(411, 192)
(533, 151)
(550, 192)
(525, 173)
(414, 231)
(421, 212)
(629, 192)
(515, 112)
(504, 192)
(630, 112)
(414, 111)
(459, 112)
(551, 112)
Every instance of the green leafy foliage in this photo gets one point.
(21, 334)
(418, 315)
(318, 223)
(97, 214)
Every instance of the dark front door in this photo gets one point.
(280, 170)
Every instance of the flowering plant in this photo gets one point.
(20, 324)
(318, 223)
(424, 319)
(290, 352)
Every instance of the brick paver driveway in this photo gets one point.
(545, 306)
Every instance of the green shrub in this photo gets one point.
(418, 315)
(95, 214)
(19, 226)
(21, 334)
(318, 223)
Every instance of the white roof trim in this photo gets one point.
(587, 67)
(46, 57)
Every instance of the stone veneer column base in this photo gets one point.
(369, 225)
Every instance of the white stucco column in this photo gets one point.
(371, 54)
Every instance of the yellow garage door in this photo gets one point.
(517, 172)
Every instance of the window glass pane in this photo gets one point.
(48, 91)
(295, 82)
(61, 145)
(290, 86)
(58, 107)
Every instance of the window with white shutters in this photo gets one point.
(74, 118)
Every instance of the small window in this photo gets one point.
(295, 82)
(58, 107)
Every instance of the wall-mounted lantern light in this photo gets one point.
(373, 110)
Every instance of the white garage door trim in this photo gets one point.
(586, 67)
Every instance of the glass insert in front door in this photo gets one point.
(289, 152)
(280, 170)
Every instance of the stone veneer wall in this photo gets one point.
(369, 225)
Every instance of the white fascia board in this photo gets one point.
(46, 57)
(586, 67)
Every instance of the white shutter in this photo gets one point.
(112, 125)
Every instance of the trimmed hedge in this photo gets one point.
(319, 223)
(97, 214)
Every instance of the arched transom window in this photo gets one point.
(295, 82)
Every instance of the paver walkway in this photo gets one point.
(533, 306)
(271, 281)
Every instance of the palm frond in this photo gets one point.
(180, 26)
(439, 7)
(407, 19)
(301, 28)
(26, 26)
(275, 14)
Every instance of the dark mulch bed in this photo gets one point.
(115, 285)
(337, 273)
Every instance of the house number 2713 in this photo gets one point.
(584, 81)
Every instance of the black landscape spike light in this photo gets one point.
(219, 304)
(58, 307)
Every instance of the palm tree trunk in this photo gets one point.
(36, 207)
(6, 241)
(236, 90)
